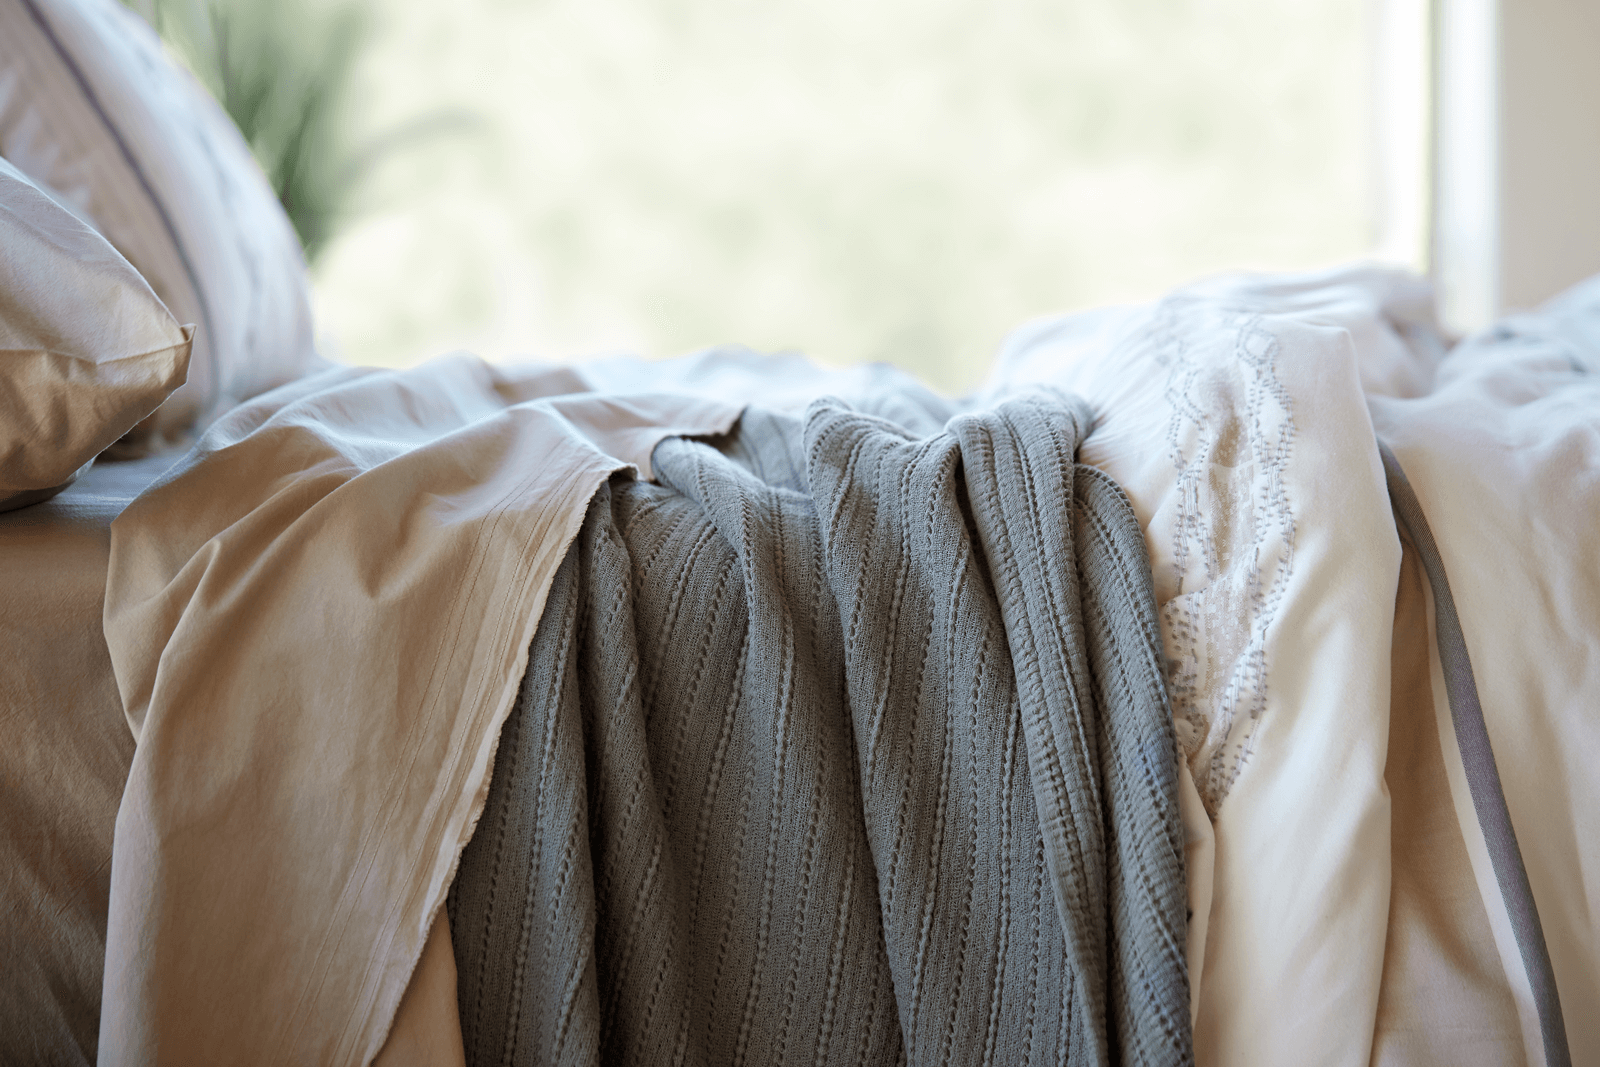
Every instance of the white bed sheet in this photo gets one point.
(1504, 456)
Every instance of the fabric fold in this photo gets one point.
(769, 791)
(1482, 772)
(1234, 415)
(318, 621)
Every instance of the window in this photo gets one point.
(901, 180)
(1518, 153)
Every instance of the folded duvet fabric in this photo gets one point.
(1504, 459)
(1235, 417)
(1327, 712)
(318, 621)
(848, 743)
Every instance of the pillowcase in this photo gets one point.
(93, 110)
(86, 348)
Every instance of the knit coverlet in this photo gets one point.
(846, 743)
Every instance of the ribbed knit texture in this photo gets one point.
(845, 744)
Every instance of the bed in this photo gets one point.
(1212, 686)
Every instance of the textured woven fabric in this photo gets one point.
(847, 743)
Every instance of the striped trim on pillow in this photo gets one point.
(93, 109)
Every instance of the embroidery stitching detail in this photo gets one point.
(1230, 437)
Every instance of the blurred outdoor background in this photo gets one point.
(900, 180)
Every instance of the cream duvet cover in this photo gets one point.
(1243, 418)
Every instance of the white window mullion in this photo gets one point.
(1517, 153)
(1466, 166)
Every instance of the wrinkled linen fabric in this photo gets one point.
(1235, 417)
(1237, 421)
(63, 763)
(847, 743)
(1504, 458)
(318, 622)
(1445, 1001)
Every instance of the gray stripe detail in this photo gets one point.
(1483, 776)
(144, 183)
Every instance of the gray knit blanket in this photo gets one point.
(846, 743)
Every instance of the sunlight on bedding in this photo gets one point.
(889, 181)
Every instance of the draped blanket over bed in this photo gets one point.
(838, 733)
(848, 742)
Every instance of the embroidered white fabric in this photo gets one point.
(1222, 537)
(1222, 534)
(1232, 544)
(1234, 414)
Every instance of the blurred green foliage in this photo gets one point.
(282, 71)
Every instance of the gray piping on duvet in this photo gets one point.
(1483, 776)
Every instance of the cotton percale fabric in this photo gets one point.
(1504, 457)
(1241, 419)
(1235, 417)
(93, 111)
(318, 622)
(1444, 999)
(86, 349)
(63, 761)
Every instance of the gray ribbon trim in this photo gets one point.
(1483, 776)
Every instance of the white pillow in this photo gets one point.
(86, 349)
(92, 110)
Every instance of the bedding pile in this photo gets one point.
(848, 742)
(1356, 913)
(379, 618)
(318, 621)
(1215, 685)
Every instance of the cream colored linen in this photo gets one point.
(86, 349)
(1504, 456)
(64, 756)
(1444, 1001)
(1237, 423)
(318, 622)
(1389, 315)
(93, 109)
(427, 1024)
